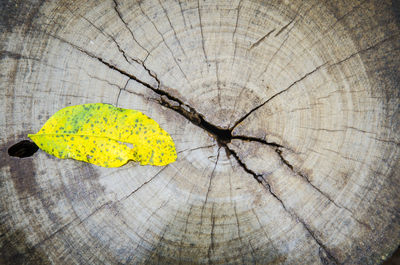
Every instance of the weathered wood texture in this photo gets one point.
(307, 93)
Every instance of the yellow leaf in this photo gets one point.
(106, 136)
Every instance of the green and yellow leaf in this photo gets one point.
(106, 136)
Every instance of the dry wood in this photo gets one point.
(285, 116)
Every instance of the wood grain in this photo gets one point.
(285, 116)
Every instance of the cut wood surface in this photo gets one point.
(285, 115)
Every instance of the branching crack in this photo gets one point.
(260, 179)
(106, 35)
(256, 176)
(120, 90)
(167, 100)
(222, 136)
(99, 208)
(166, 44)
(136, 60)
(126, 25)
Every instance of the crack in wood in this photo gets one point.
(162, 205)
(277, 148)
(137, 60)
(120, 90)
(144, 184)
(307, 179)
(261, 180)
(238, 97)
(256, 176)
(150, 227)
(201, 32)
(255, 44)
(238, 232)
(104, 34)
(197, 148)
(166, 99)
(62, 228)
(276, 94)
(259, 140)
(127, 27)
(287, 34)
(166, 44)
(173, 29)
(208, 189)
(183, 16)
(222, 136)
(263, 230)
(183, 237)
(321, 244)
(285, 27)
(353, 9)
(96, 210)
(386, 141)
(276, 52)
(212, 243)
(375, 45)
(104, 80)
(218, 82)
(237, 22)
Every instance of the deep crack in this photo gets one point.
(259, 140)
(260, 179)
(221, 135)
(232, 152)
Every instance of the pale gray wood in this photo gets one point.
(308, 89)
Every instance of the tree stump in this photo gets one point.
(285, 116)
